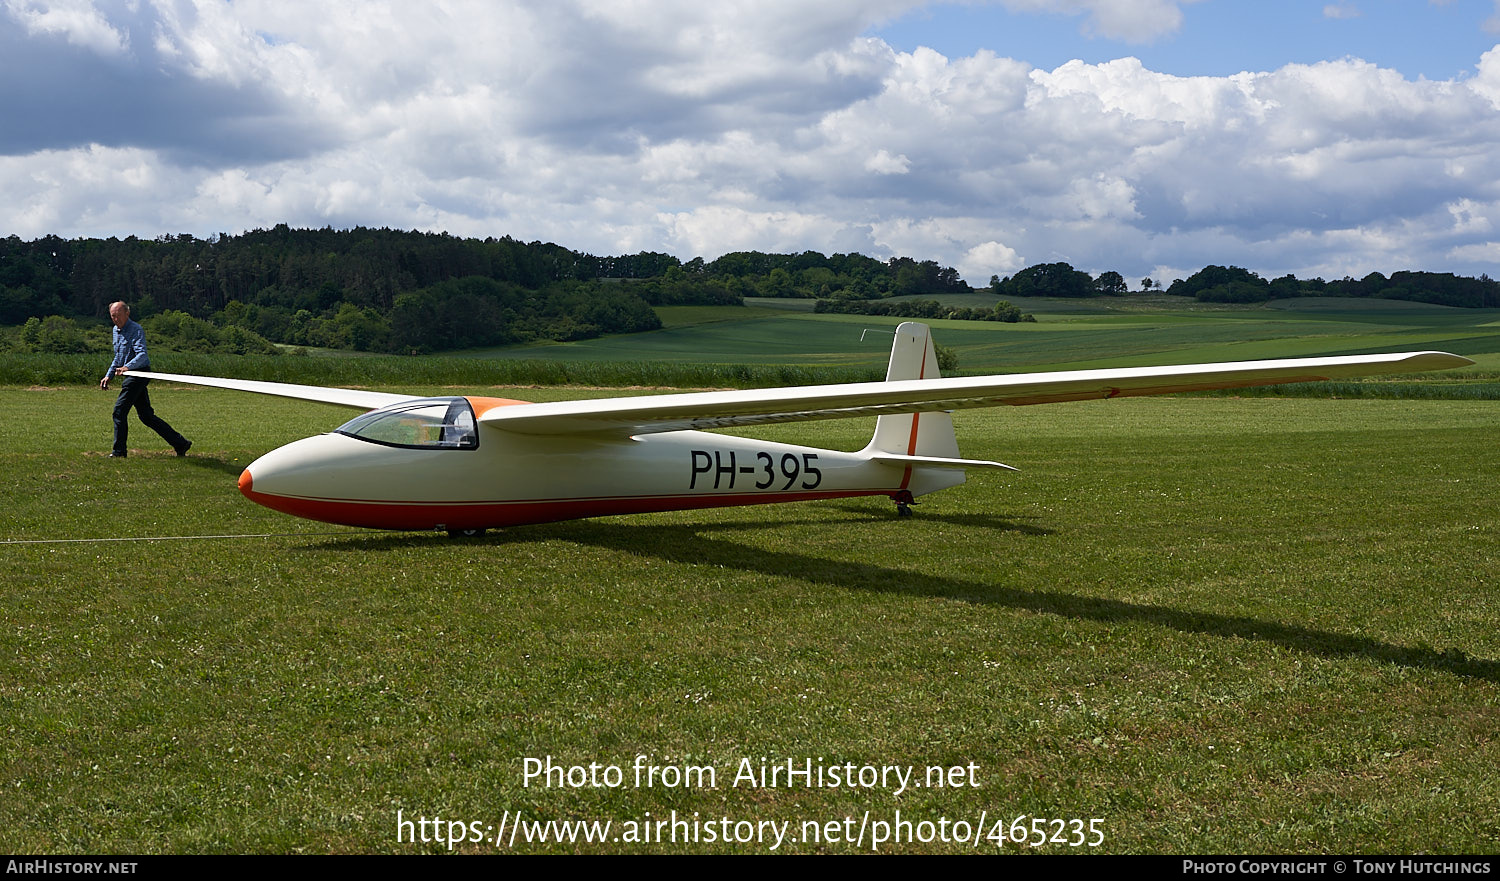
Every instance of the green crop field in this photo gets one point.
(1128, 331)
(775, 343)
(1197, 625)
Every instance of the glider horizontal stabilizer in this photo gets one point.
(938, 461)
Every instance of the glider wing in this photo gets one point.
(343, 397)
(727, 409)
(649, 414)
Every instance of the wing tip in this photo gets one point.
(1438, 360)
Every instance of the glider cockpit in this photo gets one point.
(422, 424)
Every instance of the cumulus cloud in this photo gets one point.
(182, 79)
(992, 257)
(701, 128)
(884, 163)
(76, 21)
(1134, 21)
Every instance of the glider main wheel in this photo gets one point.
(465, 533)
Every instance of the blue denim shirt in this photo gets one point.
(130, 349)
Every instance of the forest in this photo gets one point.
(384, 290)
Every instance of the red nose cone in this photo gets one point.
(245, 482)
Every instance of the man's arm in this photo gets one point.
(135, 349)
(114, 362)
(130, 352)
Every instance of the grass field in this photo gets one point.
(1120, 332)
(1219, 625)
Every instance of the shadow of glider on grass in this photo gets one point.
(465, 464)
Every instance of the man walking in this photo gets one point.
(130, 354)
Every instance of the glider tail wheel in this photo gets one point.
(904, 501)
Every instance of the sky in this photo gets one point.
(1149, 137)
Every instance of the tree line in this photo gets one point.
(406, 291)
(931, 309)
(317, 270)
(389, 290)
(1231, 284)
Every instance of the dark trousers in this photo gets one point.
(133, 394)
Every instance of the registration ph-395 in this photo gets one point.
(765, 470)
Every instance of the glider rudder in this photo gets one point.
(913, 356)
(897, 436)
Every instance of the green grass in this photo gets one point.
(1222, 625)
(80, 370)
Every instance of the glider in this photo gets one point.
(465, 464)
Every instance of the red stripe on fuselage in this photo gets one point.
(483, 515)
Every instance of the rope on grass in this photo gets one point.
(52, 541)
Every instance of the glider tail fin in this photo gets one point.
(923, 445)
(913, 356)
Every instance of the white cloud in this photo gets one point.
(884, 163)
(1470, 216)
(1483, 252)
(76, 21)
(989, 258)
(716, 230)
(86, 191)
(1134, 21)
(1341, 10)
(1487, 83)
(701, 128)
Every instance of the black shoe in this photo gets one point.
(116, 454)
(182, 450)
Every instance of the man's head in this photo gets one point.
(119, 313)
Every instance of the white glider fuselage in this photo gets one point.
(508, 479)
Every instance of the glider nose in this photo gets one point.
(311, 467)
(306, 476)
